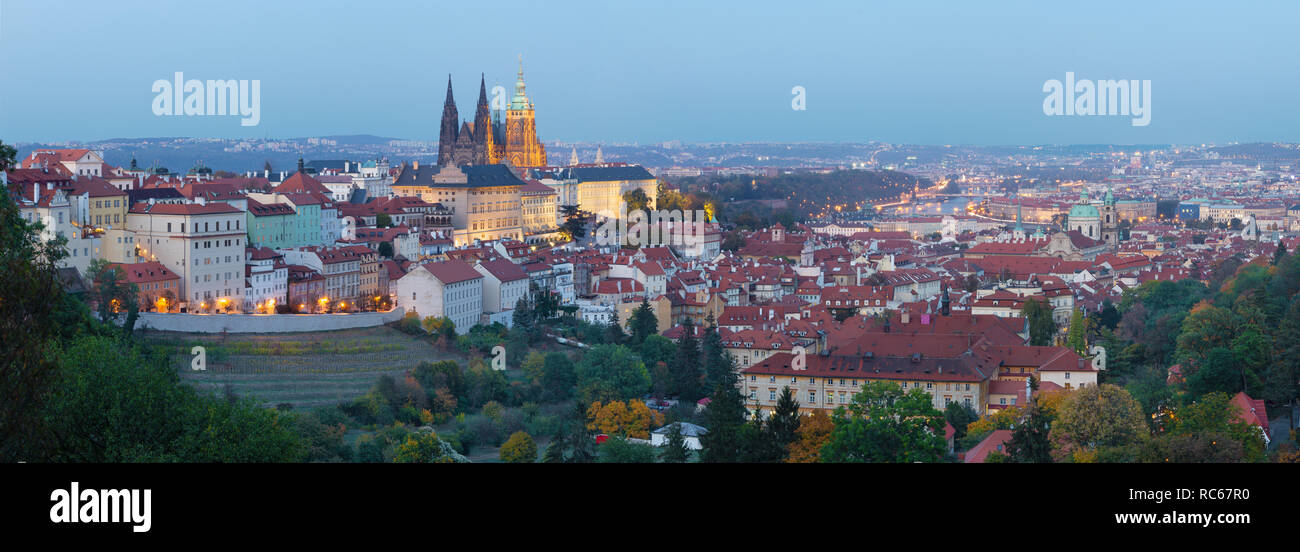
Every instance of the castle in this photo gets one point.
(488, 140)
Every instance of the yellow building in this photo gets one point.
(484, 199)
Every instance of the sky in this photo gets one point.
(915, 72)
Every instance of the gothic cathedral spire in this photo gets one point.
(448, 132)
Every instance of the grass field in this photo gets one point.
(303, 369)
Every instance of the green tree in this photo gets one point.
(725, 419)
(519, 449)
(1077, 338)
(32, 306)
(636, 199)
(1220, 371)
(1041, 326)
(8, 156)
(382, 220)
(675, 450)
(685, 367)
(386, 249)
(642, 324)
(959, 416)
(575, 224)
(110, 291)
(1097, 416)
(1031, 441)
(884, 424)
(114, 404)
(718, 365)
(611, 373)
(619, 450)
(783, 426)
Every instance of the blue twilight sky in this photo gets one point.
(960, 72)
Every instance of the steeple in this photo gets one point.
(520, 100)
(300, 163)
(449, 128)
(600, 157)
(1020, 228)
(573, 157)
(482, 124)
(945, 303)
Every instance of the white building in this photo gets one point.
(504, 285)
(452, 289)
(266, 280)
(202, 242)
(690, 432)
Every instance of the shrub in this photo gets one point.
(519, 449)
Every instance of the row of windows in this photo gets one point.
(856, 383)
(207, 226)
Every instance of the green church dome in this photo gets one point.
(1084, 211)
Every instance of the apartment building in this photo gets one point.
(203, 243)
(453, 289)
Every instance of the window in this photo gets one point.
(812, 397)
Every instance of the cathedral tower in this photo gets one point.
(482, 126)
(523, 149)
(447, 133)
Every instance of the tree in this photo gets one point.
(636, 199)
(1220, 371)
(1041, 326)
(114, 404)
(725, 419)
(421, 447)
(619, 450)
(575, 224)
(719, 368)
(558, 377)
(610, 373)
(110, 291)
(642, 324)
(884, 424)
(440, 327)
(1280, 252)
(1030, 441)
(783, 427)
(1097, 416)
(675, 450)
(32, 306)
(1206, 327)
(685, 367)
(8, 156)
(631, 419)
(1077, 338)
(382, 220)
(959, 416)
(573, 442)
(613, 334)
(386, 249)
(519, 449)
(1215, 415)
(813, 434)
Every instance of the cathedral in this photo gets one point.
(487, 140)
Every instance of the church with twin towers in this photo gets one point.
(488, 139)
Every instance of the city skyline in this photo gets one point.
(941, 74)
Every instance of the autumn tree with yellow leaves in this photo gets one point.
(632, 419)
